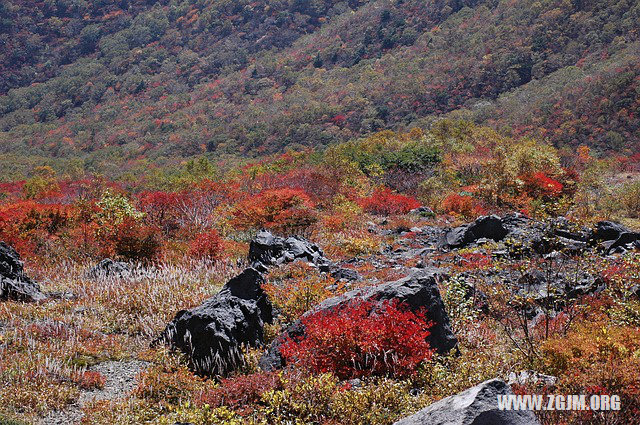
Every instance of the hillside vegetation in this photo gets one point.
(130, 80)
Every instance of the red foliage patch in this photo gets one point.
(539, 185)
(279, 209)
(207, 245)
(89, 380)
(384, 202)
(240, 391)
(463, 205)
(362, 339)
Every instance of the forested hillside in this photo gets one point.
(131, 80)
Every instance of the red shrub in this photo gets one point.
(278, 209)
(89, 380)
(132, 240)
(539, 185)
(207, 245)
(28, 225)
(359, 340)
(463, 205)
(240, 391)
(385, 202)
(162, 208)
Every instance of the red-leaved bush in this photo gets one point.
(207, 245)
(362, 339)
(89, 380)
(240, 391)
(131, 239)
(384, 202)
(539, 185)
(463, 205)
(283, 210)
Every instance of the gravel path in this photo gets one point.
(120, 381)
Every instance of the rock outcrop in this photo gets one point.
(212, 335)
(615, 237)
(485, 227)
(419, 290)
(109, 268)
(14, 283)
(476, 406)
(269, 250)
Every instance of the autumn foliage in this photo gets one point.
(278, 209)
(207, 245)
(540, 185)
(384, 202)
(463, 205)
(362, 339)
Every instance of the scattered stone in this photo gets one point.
(212, 335)
(625, 242)
(531, 377)
(109, 268)
(345, 275)
(553, 289)
(418, 291)
(120, 380)
(14, 283)
(487, 227)
(423, 211)
(269, 250)
(475, 406)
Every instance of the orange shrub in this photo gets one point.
(278, 209)
(596, 357)
(463, 205)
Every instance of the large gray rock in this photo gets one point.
(269, 250)
(212, 335)
(476, 406)
(417, 291)
(485, 227)
(14, 283)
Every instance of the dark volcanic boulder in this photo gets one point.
(626, 240)
(486, 227)
(267, 250)
(14, 283)
(419, 290)
(552, 290)
(476, 406)
(109, 268)
(608, 231)
(212, 335)
(345, 274)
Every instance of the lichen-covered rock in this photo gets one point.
(213, 334)
(417, 291)
(476, 406)
(14, 283)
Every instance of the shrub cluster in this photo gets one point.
(362, 339)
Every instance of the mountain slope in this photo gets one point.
(180, 78)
